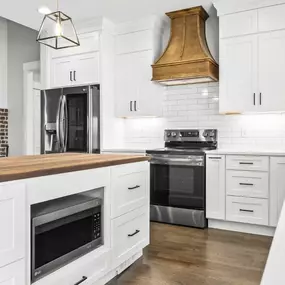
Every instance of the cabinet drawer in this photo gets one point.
(247, 183)
(271, 18)
(238, 24)
(247, 210)
(130, 233)
(256, 163)
(129, 188)
(13, 274)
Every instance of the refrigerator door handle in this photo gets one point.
(58, 119)
(65, 121)
(61, 124)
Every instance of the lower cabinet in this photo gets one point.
(277, 188)
(215, 185)
(130, 233)
(13, 274)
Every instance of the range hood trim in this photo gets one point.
(202, 60)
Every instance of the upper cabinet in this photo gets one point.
(3, 63)
(134, 90)
(252, 56)
(74, 66)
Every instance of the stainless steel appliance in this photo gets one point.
(70, 120)
(63, 230)
(177, 182)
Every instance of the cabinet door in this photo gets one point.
(61, 72)
(277, 188)
(13, 274)
(86, 68)
(271, 71)
(238, 74)
(12, 222)
(125, 85)
(147, 91)
(215, 185)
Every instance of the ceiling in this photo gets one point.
(25, 11)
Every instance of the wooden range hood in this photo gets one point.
(187, 58)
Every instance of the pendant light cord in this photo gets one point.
(57, 5)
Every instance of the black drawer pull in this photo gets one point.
(82, 280)
(248, 211)
(246, 184)
(246, 163)
(135, 233)
(215, 158)
(135, 187)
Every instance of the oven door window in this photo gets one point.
(178, 186)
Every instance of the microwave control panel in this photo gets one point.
(97, 225)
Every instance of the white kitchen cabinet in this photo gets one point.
(271, 71)
(238, 73)
(75, 70)
(215, 185)
(134, 88)
(130, 233)
(12, 223)
(277, 188)
(247, 162)
(13, 274)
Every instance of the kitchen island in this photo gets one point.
(119, 182)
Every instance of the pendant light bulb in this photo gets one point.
(58, 28)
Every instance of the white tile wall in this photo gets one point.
(196, 106)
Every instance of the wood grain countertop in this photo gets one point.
(22, 167)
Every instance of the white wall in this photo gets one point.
(22, 48)
(196, 106)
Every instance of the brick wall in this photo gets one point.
(196, 106)
(3, 131)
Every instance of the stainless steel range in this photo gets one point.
(178, 174)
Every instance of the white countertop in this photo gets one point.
(124, 150)
(270, 152)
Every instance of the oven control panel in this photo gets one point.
(190, 135)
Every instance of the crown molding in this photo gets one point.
(225, 7)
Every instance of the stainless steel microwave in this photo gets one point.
(62, 230)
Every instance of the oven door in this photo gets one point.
(178, 181)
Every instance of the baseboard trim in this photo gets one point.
(240, 227)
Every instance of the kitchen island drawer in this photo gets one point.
(130, 233)
(129, 188)
(244, 162)
(247, 183)
(247, 210)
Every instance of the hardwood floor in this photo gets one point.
(186, 256)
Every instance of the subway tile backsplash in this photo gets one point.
(197, 106)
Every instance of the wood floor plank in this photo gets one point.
(187, 256)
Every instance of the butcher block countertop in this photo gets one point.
(22, 167)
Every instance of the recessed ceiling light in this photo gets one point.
(44, 10)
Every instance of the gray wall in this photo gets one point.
(22, 48)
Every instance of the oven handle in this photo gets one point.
(177, 161)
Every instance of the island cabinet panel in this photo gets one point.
(12, 223)
(129, 188)
(130, 233)
(13, 274)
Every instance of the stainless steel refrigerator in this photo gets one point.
(70, 120)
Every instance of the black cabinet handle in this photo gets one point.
(74, 75)
(215, 157)
(246, 184)
(135, 233)
(70, 76)
(135, 187)
(82, 280)
(260, 98)
(135, 105)
(248, 211)
(254, 99)
(131, 106)
(246, 163)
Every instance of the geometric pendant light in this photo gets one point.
(57, 31)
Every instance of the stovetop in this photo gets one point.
(187, 142)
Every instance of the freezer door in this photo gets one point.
(50, 117)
